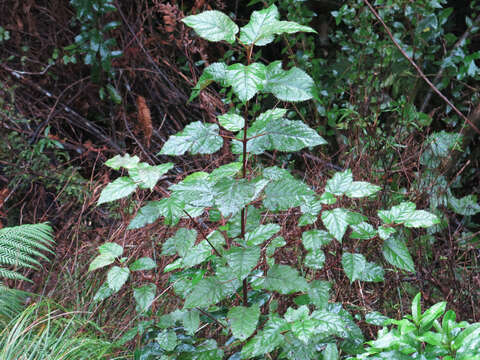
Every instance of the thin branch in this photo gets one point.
(442, 67)
(419, 71)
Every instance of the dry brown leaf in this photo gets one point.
(144, 119)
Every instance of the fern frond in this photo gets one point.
(21, 246)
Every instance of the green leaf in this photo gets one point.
(195, 192)
(292, 85)
(243, 321)
(353, 265)
(114, 95)
(227, 170)
(261, 234)
(246, 81)
(277, 242)
(255, 32)
(396, 253)
(231, 122)
(285, 280)
(144, 263)
(147, 214)
(264, 24)
(144, 296)
(385, 232)
(466, 206)
(376, 318)
(466, 336)
(121, 187)
(206, 292)
(359, 189)
(116, 277)
(101, 261)
(327, 199)
(231, 195)
(331, 352)
(102, 293)
(363, 231)
(213, 25)
(196, 138)
(126, 161)
(266, 340)
(242, 260)
(197, 254)
(184, 239)
(339, 183)
(416, 309)
(111, 249)
(315, 259)
(315, 239)
(214, 72)
(146, 176)
(439, 145)
(191, 321)
(167, 340)
(172, 209)
(336, 222)
(318, 292)
(432, 314)
(406, 214)
(285, 191)
(372, 273)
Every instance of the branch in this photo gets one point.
(419, 71)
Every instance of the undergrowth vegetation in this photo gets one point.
(282, 180)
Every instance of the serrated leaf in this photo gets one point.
(315, 259)
(315, 239)
(359, 189)
(277, 242)
(167, 340)
(261, 234)
(243, 321)
(385, 232)
(396, 253)
(206, 292)
(255, 31)
(144, 296)
(246, 81)
(195, 192)
(101, 261)
(353, 265)
(330, 352)
(227, 170)
(214, 72)
(242, 260)
(172, 209)
(286, 193)
(147, 214)
(439, 145)
(285, 280)
(144, 263)
(198, 254)
(266, 340)
(184, 239)
(327, 199)
(421, 218)
(120, 188)
(146, 176)
(397, 214)
(191, 321)
(339, 183)
(231, 122)
(213, 25)
(336, 222)
(318, 292)
(292, 85)
(231, 195)
(196, 138)
(372, 273)
(466, 206)
(111, 249)
(102, 293)
(126, 161)
(363, 231)
(116, 277)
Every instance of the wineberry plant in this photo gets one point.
(227, 273)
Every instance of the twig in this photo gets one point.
(202, 233)
(442, 67)
(419, 71)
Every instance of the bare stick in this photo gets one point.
(420, 72)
